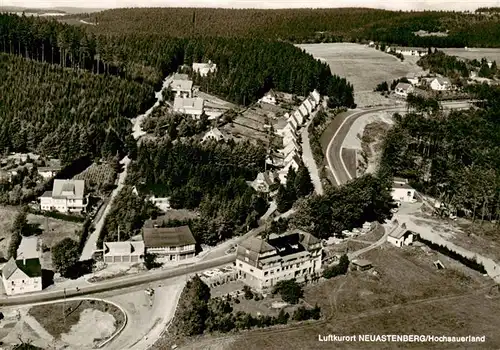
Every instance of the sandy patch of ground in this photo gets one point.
(93, 325)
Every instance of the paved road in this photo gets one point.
(118, 283)
(308, 158)
(343, 123)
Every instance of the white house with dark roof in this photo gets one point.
(440, 84)
(182, 87)
(189, 106)
(24, 273)
(169, 243)
(261, 263)
(402, 191)
(214, 134)
(400, 236)
(403, 89)
(262, 182)
(123, 252)
(316, 96)
(308, 105)
(204, 68)
(66, 196)
(303, 110)
(299, 117)
(269, 97)
(292, 120)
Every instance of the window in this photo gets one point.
(251, 270)
(241, 265)
(272, 272)
(266, 273)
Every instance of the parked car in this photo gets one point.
(149, 291)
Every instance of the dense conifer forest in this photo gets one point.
(307, 25)
(454, 158)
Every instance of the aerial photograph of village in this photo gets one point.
(249, 176)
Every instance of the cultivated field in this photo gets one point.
(406, 296)
(98, 175)
(363, 67)
(474, 53)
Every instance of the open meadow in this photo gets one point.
(474, 53)
(406, 295)
(364, 67)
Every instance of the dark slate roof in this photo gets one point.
(31, 267)
(157, 237)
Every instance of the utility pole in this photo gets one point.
(64, 308)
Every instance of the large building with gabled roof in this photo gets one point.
(261, 263)
(23, 274)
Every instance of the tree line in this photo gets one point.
(306, 25)
(453, 157)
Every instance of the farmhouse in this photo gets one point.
(270, 98)
(169, 243)
(262, 182)
(189, 106)
(413, 78)
(23, 274)
(401, 191)
(204, 68)
(400, 236)
(214, 134)
(66, 196)
(263, 263)
(403, 89)
(440, 84)
(123, 252)
(182, 88)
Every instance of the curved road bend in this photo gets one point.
(343, 124)
(117, 283)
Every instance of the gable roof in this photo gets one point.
(290, 146)
(181, 85)
(71, 189)
(30, 267)
(443, 80)
(29, 248)
(257, 245)
(180, 76)
(403, 86)
(399, 231)
(189, 103)
(124, 248)
(271, 93)
(159, 237)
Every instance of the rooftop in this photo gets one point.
(399, 231)
(124, 248)
(362, 262)
(68, 189)
(31, 267)
(158, 237)
(401, 185)
(180, 76)
(183, 85)
(195, 103)
(29, 248)
(403, 86)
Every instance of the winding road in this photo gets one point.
(344, 122)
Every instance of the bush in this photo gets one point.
(302, 314)
(247, 293)
(150, 261)
(340, 269)
(290, 291)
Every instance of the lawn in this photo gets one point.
(50, 316)
(52, 230)
(474, 53)
(408, 296)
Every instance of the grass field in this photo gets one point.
(363, 67)
(408, 296)
(474, 53)
(50, 316)
(53, 230)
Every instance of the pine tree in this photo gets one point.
(303, 182)
(283, 199)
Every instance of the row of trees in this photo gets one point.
(454, 158)
(306, 25)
